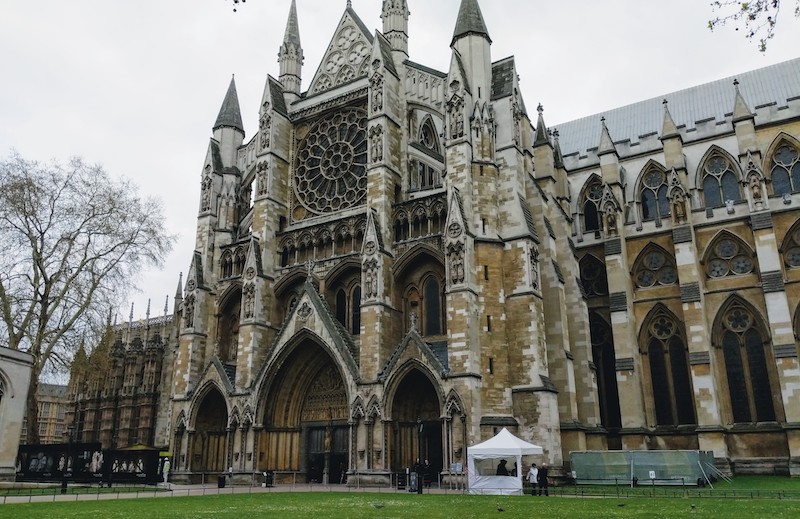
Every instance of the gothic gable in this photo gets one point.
(347, 57)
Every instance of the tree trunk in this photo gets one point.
(32, 412)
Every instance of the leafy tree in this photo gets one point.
(759, 17)
(71, 240)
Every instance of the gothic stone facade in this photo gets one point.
(115, 391)
(400, 262)
(15, 377)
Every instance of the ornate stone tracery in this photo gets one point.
(330, 172)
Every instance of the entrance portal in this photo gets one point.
(209, 449)
(306, 415)
(417, 427)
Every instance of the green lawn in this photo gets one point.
(357, 505)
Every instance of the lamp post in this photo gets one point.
(67, 461)
(419, 459)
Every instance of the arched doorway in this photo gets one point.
(415, 404)
(209, 449)
(306, 417)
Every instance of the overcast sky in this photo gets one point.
(136, 85)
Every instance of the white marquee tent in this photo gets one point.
(483, 458)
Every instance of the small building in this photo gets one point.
(15, 376)
(52, 403)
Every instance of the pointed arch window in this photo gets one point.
(743, 346)
(2, 391)
(669, 371)
(428, 137)
(605, 362)
(720, 181)
(729, 257)
(785, 169)
(593, 276)
(591, 205)
(791, 249)
(348, 308)
(433, 307)
(653, 192)
(655, 268)
(355, 311)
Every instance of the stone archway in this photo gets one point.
(306, 414)
(416, 402)
(210, 446)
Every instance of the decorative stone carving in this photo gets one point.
(455, 259)
(262, 178)
(205, 195)
(191, 285)
(248, 301)
(304, 312)
(370, 248)
(377, 93)
(454, 230)
(371, 279)
(264, 126)
(455, 112)
(376, 144)
(188, 310)
(534, 266)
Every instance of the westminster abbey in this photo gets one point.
(401, 261)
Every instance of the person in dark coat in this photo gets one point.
(542, 479)
(502, 470)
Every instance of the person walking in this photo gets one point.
(541, 478)
(533, 476)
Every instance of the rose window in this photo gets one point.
(331, 163)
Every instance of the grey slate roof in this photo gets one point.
(386, 53)
(229, 113)
(276, 93)
(773, 84)
(502, 78)
(470, 20)
(423, 68)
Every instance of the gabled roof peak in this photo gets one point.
(470, 21)
(229, 114)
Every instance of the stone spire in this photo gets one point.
(395, 24)
(606, 144)
(558, 156)
(740, 109)
(230, 116)
(669, 128)
(470, 21)
(290, 56)
(542, 136)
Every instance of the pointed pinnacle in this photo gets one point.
(292, 34)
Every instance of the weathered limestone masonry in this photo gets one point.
(15, 376)
(401, 261)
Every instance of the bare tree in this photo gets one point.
(759, 17)
(71, 240)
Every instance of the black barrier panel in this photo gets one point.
(132, 466)
(79, 462)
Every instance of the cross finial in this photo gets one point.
(736, 82)
(540, 108)
(664, 102)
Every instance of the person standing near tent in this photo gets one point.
(533, 478)
(541, 478)
(502, 470)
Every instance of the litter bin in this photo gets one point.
(221, 481)
(269, 478)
